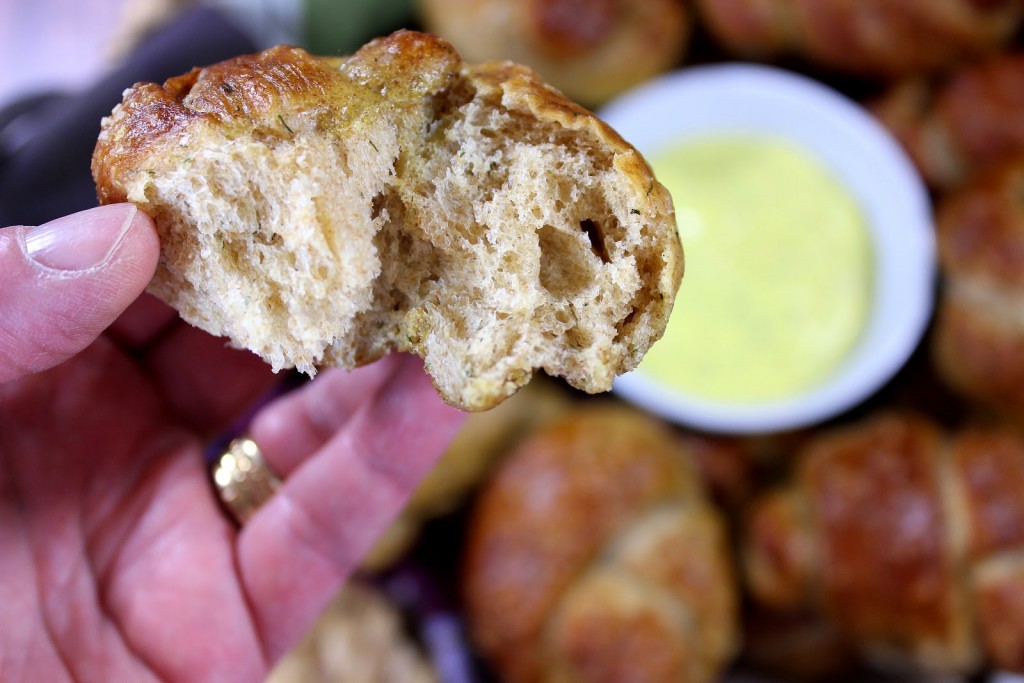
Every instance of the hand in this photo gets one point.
(116, 561)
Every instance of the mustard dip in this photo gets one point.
(778, 271)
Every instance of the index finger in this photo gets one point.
(298, 549)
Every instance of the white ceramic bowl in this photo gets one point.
(758, 100)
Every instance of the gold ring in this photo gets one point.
(243, 479)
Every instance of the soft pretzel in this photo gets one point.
(592, 556)
(960, 124)
(979, 332)
(590, 50)
(910, 540)
(329, 211)
(887, 38)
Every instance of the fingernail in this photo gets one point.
(80, 241)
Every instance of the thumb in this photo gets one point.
(64, 282)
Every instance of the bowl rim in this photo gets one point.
(752, 99)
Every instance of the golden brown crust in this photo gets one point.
(270, 93)
(518, 564)
(621, 493)
(870, 37)
(879, 481)
(241, 93)
(879, 553)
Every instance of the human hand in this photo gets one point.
(116, 560)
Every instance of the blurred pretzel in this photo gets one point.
(592, 556)
(886, 38)
(979, 330)
(909, 540)
(959, 125)
(589, 49)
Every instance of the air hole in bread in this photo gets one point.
(427, 284)
(564, 266)
(377, 206)
(445, 103)
(624, 323)
(399, 288)
(597, 244)
(578, 338)
(650, 269)
(274, 303)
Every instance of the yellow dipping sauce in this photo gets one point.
(778, 271)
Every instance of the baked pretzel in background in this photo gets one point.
(908, 539)
(484, 438)
(958, 124)
(872, 38)
(589, 49)
(978, 345)
(592, 555)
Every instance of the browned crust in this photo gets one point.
(539, 525)
(921, 539)
(243, 95)
(886, 570)
(247, 91)
(591, 473)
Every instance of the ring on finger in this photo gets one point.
(243, 479)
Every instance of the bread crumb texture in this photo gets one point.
(323, 211)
